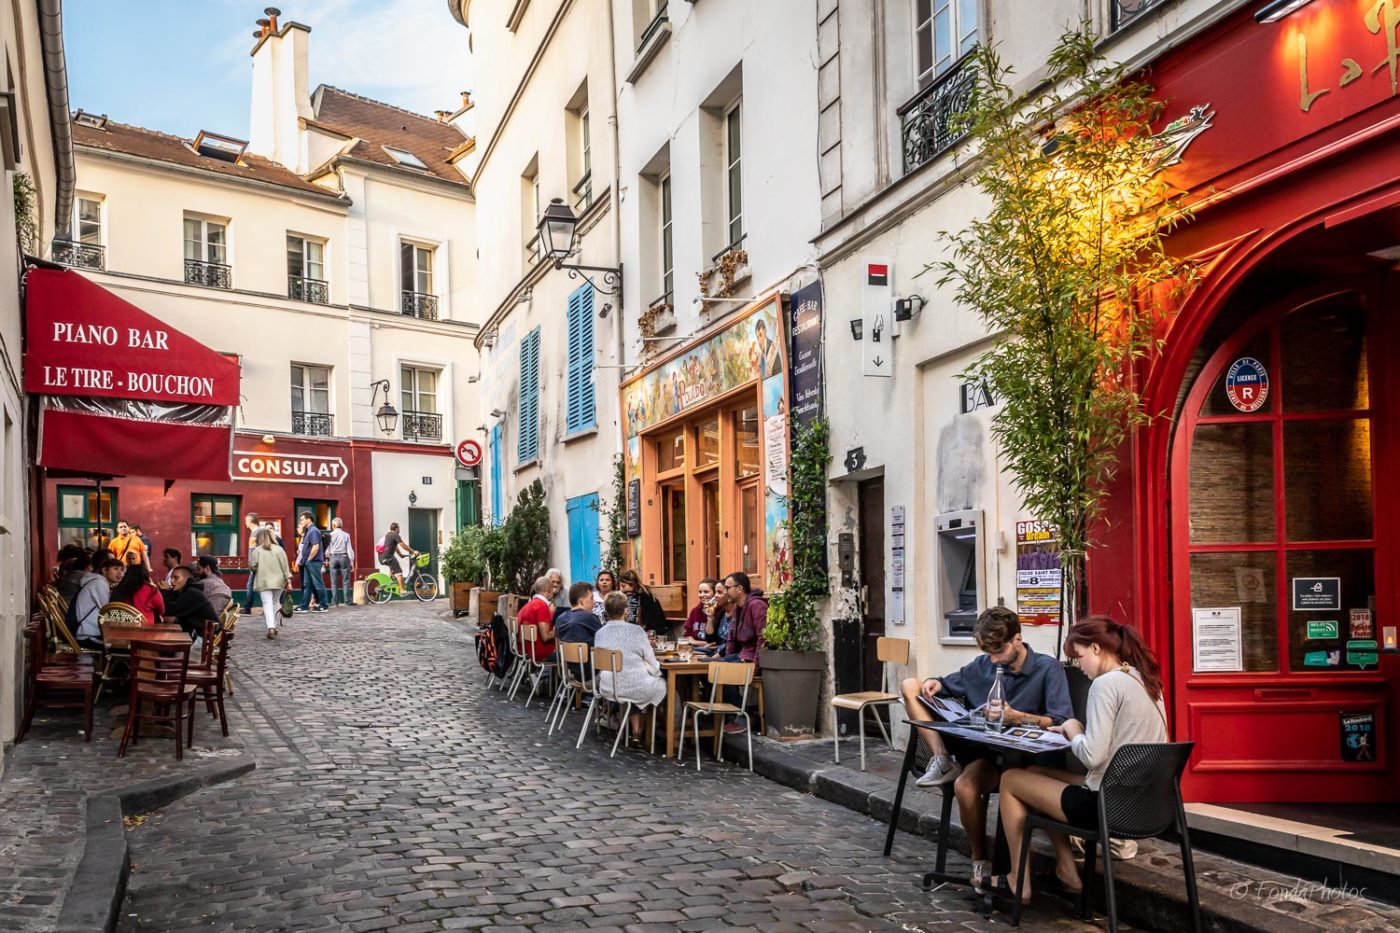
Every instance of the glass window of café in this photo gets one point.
(82, 520)
(217, 527)
(707, 471)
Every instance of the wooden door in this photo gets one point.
(871, 495)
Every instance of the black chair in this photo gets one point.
(1140, 797)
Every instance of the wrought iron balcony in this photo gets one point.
(932, 120)
(312, 424)
(1129, 11)
(80, 255)
(652, 28)
(420, 305)
(583, 192)
(316, 291)
(422, 426)
(208, 274)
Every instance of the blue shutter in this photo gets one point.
(581, 411)
(498, 496)
(527, 446)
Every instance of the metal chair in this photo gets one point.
(722, 674)
(608, 661)
(1140, 797)
(115, 615)
(573, 657)
(889, 651)
(535, 670)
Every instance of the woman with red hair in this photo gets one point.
(1124, 708)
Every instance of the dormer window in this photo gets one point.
(405, 158)
(96, 122)
(224, 148)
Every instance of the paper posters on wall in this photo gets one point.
(1358, 736)
(1037, 573)
(895, 609)
(1317, 594)
(1216, 640)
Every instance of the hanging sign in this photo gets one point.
(1317, 594)
(469, 452)
(805, 354)
(876, 303)
(1358, 736)
(1247, 384)
(1215, 640)
(1037, 573)
(288, 468)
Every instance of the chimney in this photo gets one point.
(280, 94)
(442, 115)
(466, 99)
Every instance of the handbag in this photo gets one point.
(287, 605)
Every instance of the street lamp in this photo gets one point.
(556, 231)
(387, 415)
(1273, 12)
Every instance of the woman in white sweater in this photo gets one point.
(1125, 708)
(640, 679)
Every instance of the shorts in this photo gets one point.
(1081, 806)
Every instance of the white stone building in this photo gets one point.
(335, 254)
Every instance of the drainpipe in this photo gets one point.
(618, 326)
(60, 120)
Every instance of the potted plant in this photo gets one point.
(791, 657)
(464, 566)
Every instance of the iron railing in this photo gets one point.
(532, 249)
(933, 121)
(316, 291)
(418, 304)
(208, 274)
(80, 255)
(583, 192)
(1125, 12)
(737, 244)
(422, 426)
(312, 424)
(652, 28)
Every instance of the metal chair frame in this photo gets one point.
(613, 666)
(535, 670)
(721, 674)
(889, 651)
(569, 653)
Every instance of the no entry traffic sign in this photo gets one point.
(469, 453)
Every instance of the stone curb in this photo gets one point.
(98, 888)
(1145, 898)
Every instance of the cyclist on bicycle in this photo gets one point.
(394, 546)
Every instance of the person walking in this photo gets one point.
(310, 560)
(267, 564)
(250, 521)
(341, 553)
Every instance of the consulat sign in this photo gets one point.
(288, 468)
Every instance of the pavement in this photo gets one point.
(392, 790)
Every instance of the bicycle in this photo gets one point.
(381, 587)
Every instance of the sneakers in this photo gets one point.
(734, 728)
(320, 609)
(941, 770)
(300, 609)
(272, 633)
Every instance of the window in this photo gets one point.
(734, 179)
(527, 445)
(405, 158)
(668, 269)
(206, 253)
(311, 400)
(80, 519)
(530, 212)
(416, 280)
(215, 520)
(306, 270)
(583, 190)
(85, 248)
(582, 408)
(747, 459)
(944, 31)
(421, 418)
(87, 221)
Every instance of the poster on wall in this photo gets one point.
(895, 610)
(805, 354)
(1216, 643)
(1358, 736)
(1037, 573)
(775, 437)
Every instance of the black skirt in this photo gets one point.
(1081, 806)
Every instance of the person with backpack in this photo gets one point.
(389, 549)
(86, 608)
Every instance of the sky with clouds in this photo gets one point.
(182, 65)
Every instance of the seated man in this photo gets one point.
(96, 591)
(206, 571)
(578, 623)
(186, 604)
(539, 612)
(1033, 683)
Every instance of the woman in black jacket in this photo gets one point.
(642, 607)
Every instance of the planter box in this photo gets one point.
(792, 689)
(482, 605)
(461, 596)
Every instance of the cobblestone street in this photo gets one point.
(394, 791)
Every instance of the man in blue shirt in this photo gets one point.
(578, 623)
(1037, 694)
(310, 559)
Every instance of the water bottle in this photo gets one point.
(996, 705)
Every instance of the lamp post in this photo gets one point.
(556, 228)
(387, 415)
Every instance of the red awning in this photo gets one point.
(122, 391)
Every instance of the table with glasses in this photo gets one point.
(675, 666)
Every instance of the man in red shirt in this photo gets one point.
(539, 612)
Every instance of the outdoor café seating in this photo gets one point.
(721, 675)
(209, 676)
(116, 654)
(889, 651)
(576, 682)
(64, 684)
(606, 660)
(160, 690)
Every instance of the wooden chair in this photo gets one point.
(115, 616)
(56, 614)
(575, 681)
(55, 685)
(606, 660)
(208, 678)
(227, 623)
(722, 674)
(159, 675)
(889, 651)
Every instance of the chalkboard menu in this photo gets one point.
(805, 354)
(634, 508)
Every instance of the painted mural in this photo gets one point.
(743, 352)
(777, 541)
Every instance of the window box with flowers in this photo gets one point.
(729, 268)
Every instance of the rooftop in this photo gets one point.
(378, 127)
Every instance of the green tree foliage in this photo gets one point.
(614, 515)
(1068, 265)
(525, 540)
(792, 623)
(464, 561)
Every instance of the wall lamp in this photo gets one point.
(905, 309)
(857, 328)
(1277, 10)
(387, 415)
(497, 413)
(556, 229)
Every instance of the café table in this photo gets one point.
(120, 637)
(675, 669)
(1009, 751)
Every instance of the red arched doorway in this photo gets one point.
(1283, 526)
